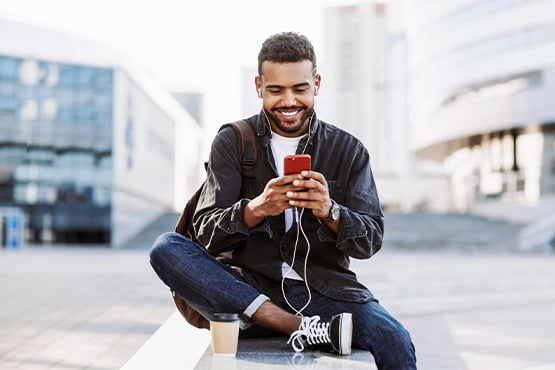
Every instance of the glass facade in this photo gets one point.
(480, 96)
(56, 148)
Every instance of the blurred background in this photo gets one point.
(107, 108)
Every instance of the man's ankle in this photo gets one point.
(273, 317)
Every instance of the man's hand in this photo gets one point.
(317, 198)
(309, 189)
(273, 200)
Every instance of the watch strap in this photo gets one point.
(329, 218)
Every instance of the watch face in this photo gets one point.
(335, 212)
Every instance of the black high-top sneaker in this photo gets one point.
(337, 333)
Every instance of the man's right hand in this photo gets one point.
(271, 202)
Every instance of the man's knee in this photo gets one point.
(158, 247)
(162, 251)
(397, 346)
(387, 335)
(400, 338)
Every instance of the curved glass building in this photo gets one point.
(87, 144)
(481, 90)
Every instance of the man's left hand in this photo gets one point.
(317, 197)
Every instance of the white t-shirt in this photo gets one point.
(282, 146)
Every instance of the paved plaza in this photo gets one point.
(77, 308)
(93, 308)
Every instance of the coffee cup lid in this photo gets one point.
(224, 316)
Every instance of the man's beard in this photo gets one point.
(287, 128)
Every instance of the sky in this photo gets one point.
(189, 46)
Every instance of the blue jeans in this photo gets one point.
(209, 286)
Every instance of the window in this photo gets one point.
(8, 68)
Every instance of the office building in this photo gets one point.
(364, 91)
(192, 103)
(482, 81)
(90, 148)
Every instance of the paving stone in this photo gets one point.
(97, 308)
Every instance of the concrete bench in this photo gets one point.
(177, 345)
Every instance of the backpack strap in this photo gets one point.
(249, 154)
(249, 151)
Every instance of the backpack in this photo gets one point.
(184, 224)
(249, 154)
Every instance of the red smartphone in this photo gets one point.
(296, 163)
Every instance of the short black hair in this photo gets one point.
(286, 47)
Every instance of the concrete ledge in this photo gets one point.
(177, 345)
(275, 353)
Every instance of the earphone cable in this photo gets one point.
(300, 230)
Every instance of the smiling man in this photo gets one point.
(274, 252)
(288, 91)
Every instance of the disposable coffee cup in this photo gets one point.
(224, 328)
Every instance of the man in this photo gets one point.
(287, 240)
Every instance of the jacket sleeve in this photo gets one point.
(362, 225)
(218, 219)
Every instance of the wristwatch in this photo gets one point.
(335, 212)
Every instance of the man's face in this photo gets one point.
(287, 91)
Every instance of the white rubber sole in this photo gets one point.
(345, 334)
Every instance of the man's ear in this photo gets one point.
(317, 81)
(258, 86)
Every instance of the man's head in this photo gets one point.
(286, 47)
(287, 82)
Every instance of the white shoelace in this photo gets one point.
(313, 332)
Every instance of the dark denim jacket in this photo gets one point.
(260, 251)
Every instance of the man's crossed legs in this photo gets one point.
(209, 286)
